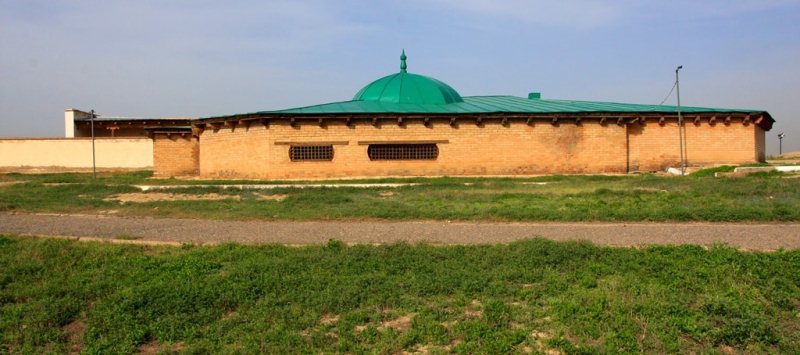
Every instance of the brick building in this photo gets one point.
(78, 124)
(411, 125)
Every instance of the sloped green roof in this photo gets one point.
(405, 93)
(493, 104)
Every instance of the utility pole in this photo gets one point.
(780, 143)
(94, 164)
(681, 133)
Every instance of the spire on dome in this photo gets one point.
(403, 65)
(407, 88)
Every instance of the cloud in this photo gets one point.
(274, 26)
(575, 13)
(590, 14)
(159, 58)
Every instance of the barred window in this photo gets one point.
(311, 152)
(426, 151)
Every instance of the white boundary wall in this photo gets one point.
(125, 153)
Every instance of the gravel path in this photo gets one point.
(750, 236)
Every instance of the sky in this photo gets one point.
(204, 58)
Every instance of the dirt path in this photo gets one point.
(751, 236)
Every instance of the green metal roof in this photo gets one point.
(493, 104)
(405, 93)
(405, 88)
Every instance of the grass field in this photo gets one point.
(701, 197)
(535, 295)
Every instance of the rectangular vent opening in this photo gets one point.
(424, 151)
(311, 153)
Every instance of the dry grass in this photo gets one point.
(160, 196)
(276, 197)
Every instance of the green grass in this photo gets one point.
(700, 197)
(57, 296)
(709, 172)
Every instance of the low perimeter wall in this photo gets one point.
(111, 153)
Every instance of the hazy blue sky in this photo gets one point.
(201, 58)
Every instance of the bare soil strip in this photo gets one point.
(748, 236)
(271, 186)
(142, 197)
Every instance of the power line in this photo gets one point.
(669, 94)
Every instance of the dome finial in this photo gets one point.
(403, 65)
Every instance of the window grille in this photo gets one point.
(311, 153)
(424, 151)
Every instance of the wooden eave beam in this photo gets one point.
(578, 118)
(308, 143)
(198, 129)
(436, 141)
(248, 119)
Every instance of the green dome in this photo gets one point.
(406, 88)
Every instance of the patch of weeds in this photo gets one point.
(739, 323)
(536, 295)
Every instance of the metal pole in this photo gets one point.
(94, 164)
(780, 143)
(680, 121)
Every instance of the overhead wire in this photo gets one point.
(669, 94)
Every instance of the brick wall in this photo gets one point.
(654, 147)
(488, 149)
(175, 155)
(761, 145)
